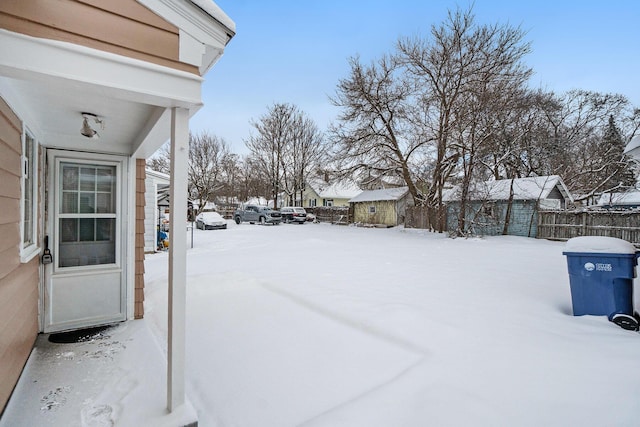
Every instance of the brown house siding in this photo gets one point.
(123, 27)
(18, 281)
(139, 273)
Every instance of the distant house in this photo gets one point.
(488, 204)
(381, 207)
(156, 185)
(322, 193)
(626, 200)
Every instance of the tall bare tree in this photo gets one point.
(267, 146)
(466, 72)
(305, 152)
(207, 154)
(374, 132)
(287, 145)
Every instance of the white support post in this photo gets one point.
(177, 258)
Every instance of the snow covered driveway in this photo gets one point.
(321, 325)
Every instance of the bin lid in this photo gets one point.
(599, 244)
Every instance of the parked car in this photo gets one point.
(254, 213)
(293, 214)
(210, 221)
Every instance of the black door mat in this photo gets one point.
(80, 335)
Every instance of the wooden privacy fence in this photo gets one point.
(563, 225)
(425, 217)
(332, 214)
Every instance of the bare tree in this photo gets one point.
(160, 161)
(268, 145)
(304, 153)
(287, 146)
(206, 156)
(466, 72)
(374, 132)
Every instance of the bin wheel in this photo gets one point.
(625, 321)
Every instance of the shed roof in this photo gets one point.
(530, 188)
(381, 195)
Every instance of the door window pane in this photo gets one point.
(70, 178)
(69, 202)
(105, 229)
(85, 191)
(68, 230)
(87, 202)
(87, 229)
(106, 180)
(87, 179)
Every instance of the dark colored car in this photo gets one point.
(293, 214)
(259, 214)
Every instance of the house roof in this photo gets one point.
(161, 178)
(381, 195)
(530, 188)
(335, 190)
(617, 199)
(633, 147)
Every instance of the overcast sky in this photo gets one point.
(295, 51)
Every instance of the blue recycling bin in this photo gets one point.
(601, 273)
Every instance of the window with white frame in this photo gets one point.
(312, 203)
(28, 229)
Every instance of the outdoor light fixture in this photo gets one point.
(87, 130)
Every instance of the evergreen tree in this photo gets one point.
(617, 172)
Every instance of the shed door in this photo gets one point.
(85, 284)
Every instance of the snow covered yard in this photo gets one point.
(321, 325)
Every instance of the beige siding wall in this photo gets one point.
(123, 27)
(18, 281)
(139, 273)
(385, 213)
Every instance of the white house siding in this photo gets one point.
(150, 214)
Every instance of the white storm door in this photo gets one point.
(85, 285)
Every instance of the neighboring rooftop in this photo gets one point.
(380, 195)
(530, 188)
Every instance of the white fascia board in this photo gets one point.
(111, 75)
(184, 14)
(191, 50)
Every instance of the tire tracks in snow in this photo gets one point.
(347, 321)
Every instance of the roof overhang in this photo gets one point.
(49, 84)
(205, 29)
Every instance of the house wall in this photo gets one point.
(523, 219)
(138, 312)
(18, 281)
(150, 215)
(336, 202)
(386, 213)
(123, 27)
(310, 193)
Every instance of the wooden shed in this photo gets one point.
(508, 206)
(381, 207)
